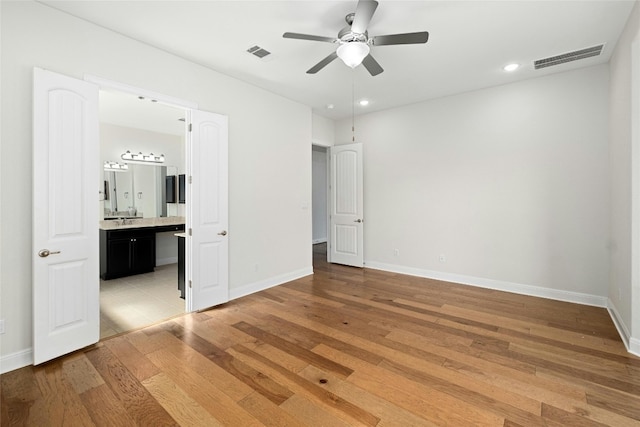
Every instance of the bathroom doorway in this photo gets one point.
(141, 126)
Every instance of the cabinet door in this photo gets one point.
(119, 257)
(143, 253)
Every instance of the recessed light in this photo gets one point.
(511, 67)
(330, 106)
(364, 102)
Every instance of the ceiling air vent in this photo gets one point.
(568, 57)
(258, 51)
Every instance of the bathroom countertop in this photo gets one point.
(142, 223)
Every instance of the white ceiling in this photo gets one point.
(470, 42)
(128, 110)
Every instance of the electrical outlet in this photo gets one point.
(396, 252)
(1, 326)
(442, 258)
(255, 267)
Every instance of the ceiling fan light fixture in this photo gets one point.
(352, 53)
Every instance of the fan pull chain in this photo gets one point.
(353, 106)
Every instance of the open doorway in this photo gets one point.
(144, 191)
(320, 198)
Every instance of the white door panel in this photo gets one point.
(346, 215)
(207, 211)
(66, 176)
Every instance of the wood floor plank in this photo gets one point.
(177, 403)
(482, 395)
(253, 378)
(582, 374)
(137, 363)
(614, 401)
(146, 342)
(312, 333)
(499, 374)
(390, 415)
(309, 413)
(423, 401)
(300, 353)
(577, 359)
(357, 330)
(222, 407)
(22, 401)
(270, 414)
(81, 374)
(217, 332)
(62, 404)
(338, 406)
(104, 407)
(140, 405)
(564, 418)
(230, 384)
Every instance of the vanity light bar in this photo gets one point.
(147, 158)
(115, 166)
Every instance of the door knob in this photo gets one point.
(46, 252)
(222, 233)
(358, 220)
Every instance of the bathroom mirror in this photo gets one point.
(138, 192)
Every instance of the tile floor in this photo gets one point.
(141, 300)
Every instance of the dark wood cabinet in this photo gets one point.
(126, 252)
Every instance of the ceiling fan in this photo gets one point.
(354, 42)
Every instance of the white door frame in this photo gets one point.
(327, 195)
(632, 337)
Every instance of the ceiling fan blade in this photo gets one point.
(407, 38)
(320, 65)
(372, 65)
(309, 37)
(364, 13)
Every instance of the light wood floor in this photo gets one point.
(346, 347)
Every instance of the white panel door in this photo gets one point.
(207, 211)
(346, 213)
(66, 181)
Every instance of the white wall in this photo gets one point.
(323, 131)
(115, 140)
(269, 152)
(319, 194)
(624, 287)
(510, 184)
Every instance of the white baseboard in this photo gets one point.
(632, 344)
(166, 261)
(517, 288)
(316, 241)
(269, 283)
(17, 360)
(623, 331)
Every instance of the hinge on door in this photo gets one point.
(190, 179)
(190, 127)
(191, 232)
(190, 284)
